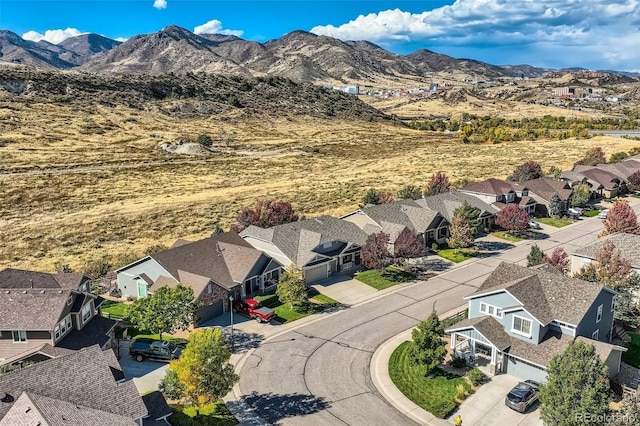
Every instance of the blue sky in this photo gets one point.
(596, 34)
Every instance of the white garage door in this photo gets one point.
(317, 273)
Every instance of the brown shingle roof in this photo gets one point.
(492, 186)
(11, 278)
(543, 188)
(32, 309)
(547, 296)
(491, 329)
(83, 377)
(627, 244)
(607, 179)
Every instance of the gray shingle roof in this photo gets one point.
(32, 309)
(547, 296)
(627, 244)
(22, 279)
(493, 186)
(225, 258)
(83, 377)
(297, 240)
(94, 333)
(543, 188)
(488, 327)
(156, 405)
(404, 213)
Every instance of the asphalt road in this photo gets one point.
(319, 374)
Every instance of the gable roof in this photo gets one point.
(82, 377)
(402, 213)
(493, 186)
(545, 187)
(602, 177)
(627, 244)
(298, 239)
(545, 295)
(488, 327)
(225, 258)
(32, 309)
(623, 169)
(11, 278)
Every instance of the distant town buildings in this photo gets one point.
(352, 90)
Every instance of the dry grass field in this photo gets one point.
(82, 183)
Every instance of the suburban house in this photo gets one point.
(320, 247)
(499, 193)
(393, 218)
(603, 183)
(627, 244)
(519, 318)
(84, 387)
(215, 268)
(623, 169)
(447, 202)
(544, 188)
(41, 312)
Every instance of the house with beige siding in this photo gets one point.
(627, 244)
(500, 193)
(39, 311)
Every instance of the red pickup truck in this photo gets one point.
(253, 309)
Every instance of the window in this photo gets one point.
(19, 336)
(209, 289)
(86, 312)
(599, 314)
(595, 334)
(69, 301)
(347, 258)
(83, 288)
(521, 326)
(491, 310)
(613, 303)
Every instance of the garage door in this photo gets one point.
(209, 312)
(524, 370)
(317, 273)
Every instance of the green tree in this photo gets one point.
(167, 310)
(626, 306)
(410, 192)
(535, 256)
(555, 172)
(371, 197)
(202, 374)
(580, 196)
(617, 157)
(461, 233)
(205, 140)
(577, 383)
(428, 348)
(291, 287)
(472, 214)
(555, 206)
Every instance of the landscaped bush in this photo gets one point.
(442, 409)
(458, 362)
(476, 377)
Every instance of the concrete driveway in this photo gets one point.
(486, 406)
(345, 289)
(146, 375)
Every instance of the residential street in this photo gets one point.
(319, 373)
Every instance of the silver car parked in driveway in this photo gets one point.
(522, 396)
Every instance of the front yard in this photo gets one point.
(459, 255)
(554, 221)
(384, 279)
(113, 310)
(632, 355)
(318, 302)
(439, 395)
(214, 414)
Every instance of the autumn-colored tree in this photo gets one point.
(409, 245)
(633, 182)
(621, 218)
(559, 259)
(580, 195)
(410, 192)
(608, 267)
(386, 197)
(527, 171)
(202, 374)
(472, 214)
(438, 184)
(461, 233)
(513, 218)
(375, 251)
(593, 157)
(267, 213)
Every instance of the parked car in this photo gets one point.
(575, 211)
(523, 396)
(603, 214)
(534, 225)
(253, 309)
(154, 349)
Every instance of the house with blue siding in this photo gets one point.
(520, 318)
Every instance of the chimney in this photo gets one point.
(31, 282)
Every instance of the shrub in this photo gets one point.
(435, 246)
(116, 292)
(476, 376)
(460, 392)
(457, 362)
(443, 408)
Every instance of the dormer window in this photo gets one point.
(599, 314)
(327, 245)
(69, 301)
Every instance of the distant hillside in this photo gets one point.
(186, 94)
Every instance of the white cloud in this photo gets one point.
(215, 27)
(52, 36)
(578, 27)
(121, 39)
(160, 4)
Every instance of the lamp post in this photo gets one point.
(231, 311)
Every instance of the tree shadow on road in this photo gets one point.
(274, 407)
(491, 248)
(242, 341)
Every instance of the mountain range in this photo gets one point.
(299, 55)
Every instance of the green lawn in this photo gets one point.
(462, 255)
(591, 213)
(381, 280)
(635, 195)
(632, 356)
(554, 221)
(505, 235)
(113, 310)
(435, 394)
(318, 302)
(214, 414)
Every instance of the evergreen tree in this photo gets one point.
(472, 214)
(371, 197)
(428, 348)
(555, 206)
(410, 192)
(535, 256)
